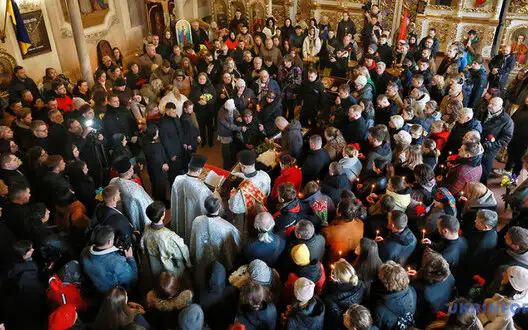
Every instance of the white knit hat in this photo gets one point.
(403, 137)
(230, 105)
(518, 277)
(240, 83)
(361, 80)
(303, 289)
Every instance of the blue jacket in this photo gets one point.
(433, 298)
(108, 268)
(397, 246)
(391, 306)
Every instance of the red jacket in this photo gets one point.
(293, 175)
(440, 139)
(288, 286)
(65, 103)
(60, 293)
(231, 44)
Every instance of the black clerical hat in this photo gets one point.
(247, 157)
(197, 161)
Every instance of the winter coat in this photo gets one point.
(267, 115)
(108, 268)
(478, 80)
(344, 236)
(393, 305)
(440, 139)
(287, 217)
(454, 141)
(351, 167)
(290, 80)
(335, 147)
(398, 246)
(263, 319)
(520, 136)
(455, 252)
(314, 272)
(467, 170)
(334, 185)
(321, 205)
(118, 120)
(162, 312)
(383, 115)
(487, 201)
(382, 151)
(270, 253)
(313, 96)
(219, 300)
(355, 130)
(292, 175)
(309, 317)
(107, 216)
(292, 139)
(433, 297)
(315, 165)
(499, 311)
(381, 81)
(338, 297)
(498, 263)
(253, 135)
(501, 128)
(482, 245)
(208, 109)
(226, 123)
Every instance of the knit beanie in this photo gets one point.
(260, 272)
(191, 318)
(374, 47)
(230, 105)
(62, 318)
(300, 255)
(518, 277)
(361, 80)
(403, 137)
(303, 289)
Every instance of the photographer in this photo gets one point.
(105, 264)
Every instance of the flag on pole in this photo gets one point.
(403, 27)
(20, 28)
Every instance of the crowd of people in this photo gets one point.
(380, 217)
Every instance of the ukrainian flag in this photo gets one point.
(21, 31)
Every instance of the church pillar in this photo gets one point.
(270, 8)
(498, 32)
(80, 44)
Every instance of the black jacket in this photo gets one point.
(190, 132)
(262, 319)
(17, 219)
(454, 141)
(313, 96)
(482, 244)
(219, 301)
(267, 116)
(334, 185)
(380, 81)
(288, 216)
(455, 252)
(433, 298)
(383, 115)
(57, 139)
(106, 216)
(315, 165)
(478, 80)
(382, 151)
(355, 131)
(56, 184)
(118, 120)
(292, 139)
(311, 317)
(16, 87)
(252, 136)
(397, 246)
(338, 297)
(170, 133)
(520, 136)
(12, 177)
(344, 28)
(501, 127)
(388, 307)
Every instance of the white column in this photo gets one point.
(80, 43)
(270, 8)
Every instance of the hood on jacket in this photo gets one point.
(295, 125)
(399, 302)
(178, 302)
(312, 313)
(523, 257)
(406, 237)
(268, 313)
(291, 207)
(402, 200)
(217, 279)
(383, 150)
(487, 200)
(312, 271)
(345, 293)
(351, 164)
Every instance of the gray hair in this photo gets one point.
(264, 224)
(489, 217)
(316, 140)
(467, 111)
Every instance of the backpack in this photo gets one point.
(95, 224)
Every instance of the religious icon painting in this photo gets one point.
(183, 32)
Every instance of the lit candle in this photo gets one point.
(423, 234)
(332, 266)
(372, 188)
(318, 182)
(403, 178)
(377, 232)
(409, 269)
(340, 252)
(462, 193)
(450, 153)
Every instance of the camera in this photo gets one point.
(366, 7)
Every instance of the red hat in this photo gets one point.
(62, 318)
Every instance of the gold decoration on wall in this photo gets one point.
(518, 7)
(432, 5)
(485, 33)
(445, 32)
(487, 8)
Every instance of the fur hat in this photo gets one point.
(361, 80)
(403, 137)
(518, 277)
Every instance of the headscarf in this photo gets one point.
(443, 196)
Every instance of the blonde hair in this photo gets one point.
(345, 273)
(332, 132)
(351, 152)
(364, 71)
(475, 190)
(414, 156)
(188, 71)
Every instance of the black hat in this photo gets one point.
(197, 161)
(247, 157)
(122, 164)
(120, 82)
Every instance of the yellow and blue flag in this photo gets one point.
(20, 28)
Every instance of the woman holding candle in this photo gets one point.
(344, 289)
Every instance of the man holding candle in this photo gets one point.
(467, 168)
(452, 246)
(400, 243)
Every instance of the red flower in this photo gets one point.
(320, 206)
(452, 158)
(479, 280)
(440, 315)
(356, 146)
(491, 138)
(420, 210)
